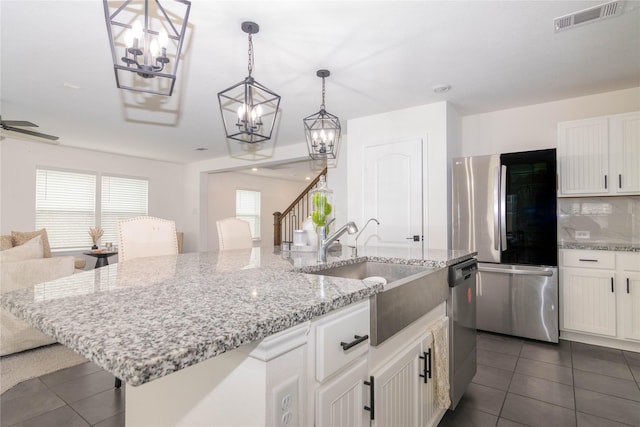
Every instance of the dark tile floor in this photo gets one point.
(529, 383)
(519, 383)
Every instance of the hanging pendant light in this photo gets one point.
(249, 109)
(146, 42)
(322, 129)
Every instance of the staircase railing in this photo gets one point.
(292, 218)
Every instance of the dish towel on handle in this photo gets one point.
(441, 350)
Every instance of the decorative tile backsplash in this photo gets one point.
(613, 220)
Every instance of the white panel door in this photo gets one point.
(631, 305)
(583, 157)
(340, 402)
(625, 146)
(393, 193)
(397, 390)
(589, 301)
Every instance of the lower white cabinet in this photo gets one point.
(392, 384)
(600, 297)
(630, 282)
(404, 393)
(340, 401)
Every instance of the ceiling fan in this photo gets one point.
(16, 125)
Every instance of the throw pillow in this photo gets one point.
(30, 250)
(5, 242)
(21, 237)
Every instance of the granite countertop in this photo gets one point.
(148, 317)
(599, 246)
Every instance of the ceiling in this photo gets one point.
(383, 55)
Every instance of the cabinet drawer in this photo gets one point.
(588, 259)
(340, 328)
(629, 261)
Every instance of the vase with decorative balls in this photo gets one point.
(322, 205)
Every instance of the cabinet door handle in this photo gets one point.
(628, 285)
(371, 408)
(620, 181)
(587, 260)
(605, 182)
(426, 370)
(357, 340)
(612, 284)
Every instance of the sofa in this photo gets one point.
(24, 265)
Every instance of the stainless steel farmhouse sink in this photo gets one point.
(411, 292)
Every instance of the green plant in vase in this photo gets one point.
(322, 210)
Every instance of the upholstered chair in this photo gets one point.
(234, 233)
(145, 236)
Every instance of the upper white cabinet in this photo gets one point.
(599, 156)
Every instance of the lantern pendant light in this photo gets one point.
(249, 110)
(146, 42)
(322, 129)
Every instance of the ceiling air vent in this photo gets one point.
(592, 14)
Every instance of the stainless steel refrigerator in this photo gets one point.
(504, 207)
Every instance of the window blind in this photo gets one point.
(248, 209)
(122, 198)
(66, 207)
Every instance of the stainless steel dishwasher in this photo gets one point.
(461, 309)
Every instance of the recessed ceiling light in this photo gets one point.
(201, 149)
(254, 169)
(441, 88)
(308, 178)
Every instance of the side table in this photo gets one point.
(102, 258)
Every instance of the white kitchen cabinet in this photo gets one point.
(404, 376)
(340, 366)
(599, 156)
(600, 298)
(625, 149)
(340, 401)
(630, 307)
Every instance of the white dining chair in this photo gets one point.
(234, 233)
(145, 236)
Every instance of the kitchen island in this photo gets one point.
(200, 315)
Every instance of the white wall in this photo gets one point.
(275, 196)
(533, 127)
(428, 122)
(19, 159)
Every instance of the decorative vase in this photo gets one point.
(322, 199)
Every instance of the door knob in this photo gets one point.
(415, 238)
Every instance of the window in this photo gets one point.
(66, 207)
(69, 203)
(122, 198)
(248, 209)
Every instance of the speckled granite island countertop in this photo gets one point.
(146, 318)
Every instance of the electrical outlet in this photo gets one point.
(285, 401)
(582, 234)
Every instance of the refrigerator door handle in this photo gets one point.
(503, 208)
(513, 271)
(496, 209)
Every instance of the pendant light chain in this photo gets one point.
(322, 105)
(250, 67)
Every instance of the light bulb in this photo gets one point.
(128, 38)
(154, 48)
(331, 136)
(254, 114)
(163, 38)
(315, 135)
(259, 111)
(323, 135)
(241, 110)
(137, 30)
